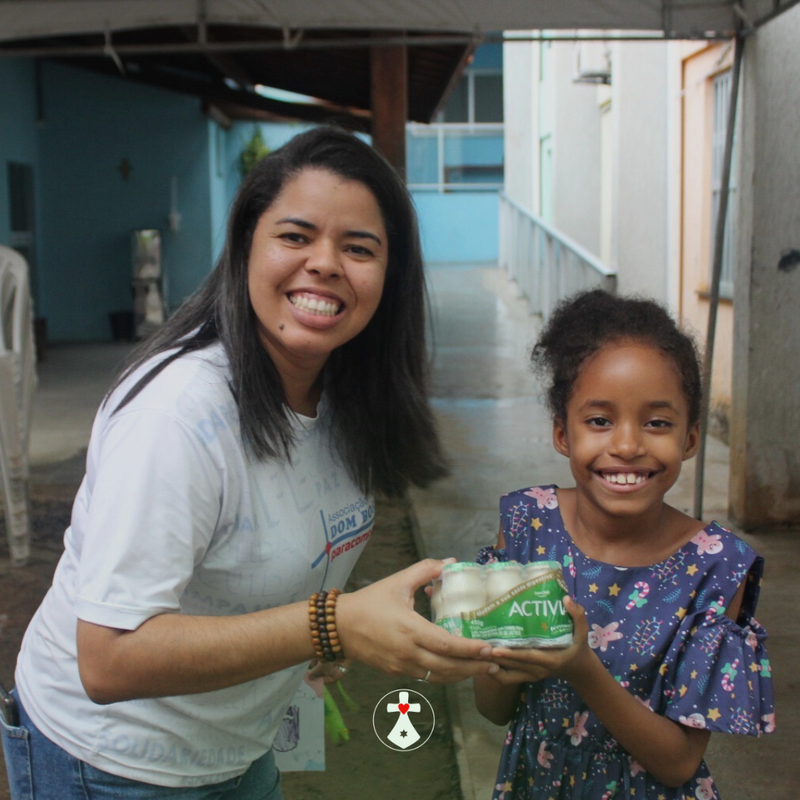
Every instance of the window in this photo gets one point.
(478, 97)
(721, 90)
(463, 148)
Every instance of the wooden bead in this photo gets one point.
(322, 623)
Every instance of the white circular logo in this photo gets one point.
(403, 720)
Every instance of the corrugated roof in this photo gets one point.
(221, 49)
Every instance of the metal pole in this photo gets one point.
(716, 272)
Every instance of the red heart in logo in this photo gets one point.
(403, 707)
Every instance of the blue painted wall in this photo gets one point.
(86, 209)
(227, 175)
(455, 227)
(92, 124)
(19, 134)
(458, 227)
(488, 56)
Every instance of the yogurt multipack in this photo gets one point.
(504, 603)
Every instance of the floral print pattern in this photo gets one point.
(661, 631)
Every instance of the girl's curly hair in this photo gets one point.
(584, 323)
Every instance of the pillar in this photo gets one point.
(765, 417)
(389, 99)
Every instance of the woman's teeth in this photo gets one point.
(624, 477)
(313, 306)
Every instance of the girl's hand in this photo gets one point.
(531, 665)
(378, 626)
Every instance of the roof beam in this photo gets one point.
(226, 64)
(223, 95)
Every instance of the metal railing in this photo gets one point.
(546, 265)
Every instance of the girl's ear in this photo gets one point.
(560, 441)
(692, 442)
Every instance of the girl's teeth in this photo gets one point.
(625, 477)
(323, 307)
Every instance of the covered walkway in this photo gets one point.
(498, 438)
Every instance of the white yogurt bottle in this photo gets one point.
(462, 589)
(502, 577)
(537, 568)
(436, 600)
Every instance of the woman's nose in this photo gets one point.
(323, 259)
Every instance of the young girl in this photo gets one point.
(666, 649)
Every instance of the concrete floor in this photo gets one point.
(72, 382)
(498, 438)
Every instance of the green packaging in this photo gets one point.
(529, 614)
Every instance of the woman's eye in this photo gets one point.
(292, 236)
(359, 250)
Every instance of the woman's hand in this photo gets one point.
(329, 671)
(378, 626)
(532, 665)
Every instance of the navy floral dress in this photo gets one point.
(661, 631)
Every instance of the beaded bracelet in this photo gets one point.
(322, 619)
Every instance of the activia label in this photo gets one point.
(532, 614)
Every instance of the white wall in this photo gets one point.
(625, 216)
(576, 134)
(520, 76)
(639, 104)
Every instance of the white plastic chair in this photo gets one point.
(17, 384)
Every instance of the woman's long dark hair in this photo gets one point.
(383, 427)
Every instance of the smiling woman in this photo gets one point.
(316, 273)
(206, 551)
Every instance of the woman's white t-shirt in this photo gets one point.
(174, 516)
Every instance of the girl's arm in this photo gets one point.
(495, 701)
(172, 654)
(669, 751)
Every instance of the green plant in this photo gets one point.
(253, 151)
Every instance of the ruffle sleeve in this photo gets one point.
(717, 676)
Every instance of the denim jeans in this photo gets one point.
(38, 769)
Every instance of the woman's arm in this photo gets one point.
(173, 654)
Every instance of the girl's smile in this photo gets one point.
(623, 480)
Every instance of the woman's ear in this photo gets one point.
(560, 441)
(692, 442)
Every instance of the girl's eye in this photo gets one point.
(659, 423)
(598, 422)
